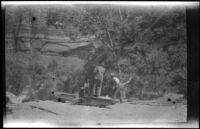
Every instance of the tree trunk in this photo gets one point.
(119, 68)
(16, 34)
(120, 13)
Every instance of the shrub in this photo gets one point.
(17, 77)
(74, 81)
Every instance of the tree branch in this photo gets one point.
(148, 29)
(110, 46)
(104, 42)
(111, 43)
(120, 14)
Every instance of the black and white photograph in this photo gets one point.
(95, 64)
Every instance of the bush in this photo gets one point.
(17, 77)
(74, 81)
(52, 66)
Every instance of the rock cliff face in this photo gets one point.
(34, 34)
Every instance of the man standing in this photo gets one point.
(120, 87)
(99, 74)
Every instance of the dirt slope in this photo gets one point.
(67, 114)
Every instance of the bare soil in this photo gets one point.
(134, 111)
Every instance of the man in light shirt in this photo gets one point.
(120, 87)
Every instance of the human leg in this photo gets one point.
(121, 95)
(94, 90)
(116, 92)
(99, 87)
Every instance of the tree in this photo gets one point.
(148, 44)
(16, 29)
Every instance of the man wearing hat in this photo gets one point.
(99, 75)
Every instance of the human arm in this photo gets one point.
(125, 83)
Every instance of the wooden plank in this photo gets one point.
(64, 96)
(88, 100)
(95, 101)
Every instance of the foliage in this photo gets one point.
(148, 44)
(16, 77)
(73, 83)
(156, 47)
(57, 18)
(52, 67)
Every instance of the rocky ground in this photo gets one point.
(65, 114)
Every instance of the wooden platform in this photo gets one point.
(62, 96)
(95, 101)
(87, 100)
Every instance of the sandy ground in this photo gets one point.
(63, 114)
